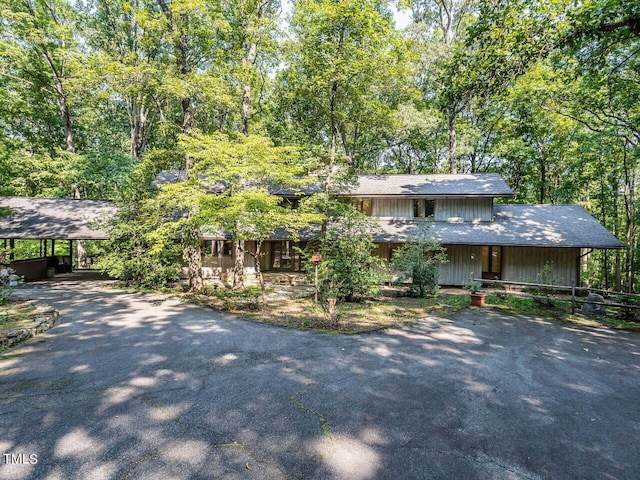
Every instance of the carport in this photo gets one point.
(48, 220)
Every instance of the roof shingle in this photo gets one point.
(516, 225)
(470, 185)
(54, 218)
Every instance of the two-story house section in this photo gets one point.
(484, 238)
(497, 241)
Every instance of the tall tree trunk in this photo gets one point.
(603, 210)
(453, 142)
(138, 116)
(333, 124)
(616, 231)
(192, 247)
(80, 244)
(334, 133)
(543, 174)
(630, 215)
(238, 264)
(249, 59)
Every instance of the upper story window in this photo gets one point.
(424, 208)
(363, 205)
(292, 203)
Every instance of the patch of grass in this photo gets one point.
(365, 316)
(529, 306)
(16, 314)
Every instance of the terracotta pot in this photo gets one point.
(477, 299)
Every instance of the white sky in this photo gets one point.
(402, 18)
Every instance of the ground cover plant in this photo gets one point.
(393, 307)
(16, 314)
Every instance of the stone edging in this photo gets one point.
(42, 322)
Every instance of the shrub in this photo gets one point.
(8, 281)
(418, 260)
(348, 271)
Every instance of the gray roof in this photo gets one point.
(516, 225)
(470, 185)
(474, 185)
(54, 218)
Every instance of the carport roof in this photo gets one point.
(54, 218)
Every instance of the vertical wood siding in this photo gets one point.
(524, 264)
(463, 260)
(464, 209)
(392, 207)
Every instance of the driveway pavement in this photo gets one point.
(135, 386)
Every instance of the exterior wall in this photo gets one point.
(392, 207)
(523, 264)
(33, 269)
(216, 266)
(463, 209)
(463, 261)
(446, 209)
(519, 264)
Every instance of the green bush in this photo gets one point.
(418, 260)
(137, 253)
(348, 271)
(8, 281)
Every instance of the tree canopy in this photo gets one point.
(99, 96)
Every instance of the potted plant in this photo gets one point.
(473, 287)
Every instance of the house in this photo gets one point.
(487, 239)
(510, 242)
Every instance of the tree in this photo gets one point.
(140, 251)
(348, 270)
(240, 170)
(418, 259)
(439, 27)
(345, 72)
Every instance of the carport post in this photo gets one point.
(71, 255)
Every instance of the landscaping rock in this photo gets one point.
(41, 323)
(595, 308)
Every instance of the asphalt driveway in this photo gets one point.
(136, 386)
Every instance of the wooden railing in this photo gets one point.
(572, 289)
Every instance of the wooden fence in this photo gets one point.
(573, 290)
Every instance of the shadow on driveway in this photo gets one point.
(139, 386)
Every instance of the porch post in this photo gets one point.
(12, 245)
(46, 245)
(53, 248)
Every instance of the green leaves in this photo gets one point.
(418, 259)
(348, 270)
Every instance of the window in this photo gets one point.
(217, 247)
(392, 249)
(491, 262)
(363, 205)
(423, 208)
(285, 255)
(291, 203)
